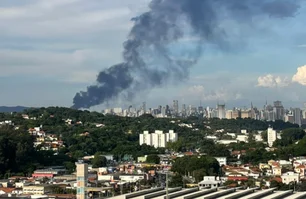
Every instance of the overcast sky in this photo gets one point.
(51, 49)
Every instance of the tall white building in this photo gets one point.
(158, 139)
(221, 111)
(271, 136)
(145, 138)
(297, 114)
(171, 136)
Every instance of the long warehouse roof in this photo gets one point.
(213, 193)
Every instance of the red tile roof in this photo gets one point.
(7, 190)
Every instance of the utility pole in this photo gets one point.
(167, 193)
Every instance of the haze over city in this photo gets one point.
(50, 50)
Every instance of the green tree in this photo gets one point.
(153, 159)
(264, 136)
(98, 161)
(176, 181)
(290, 136)
(190, 164)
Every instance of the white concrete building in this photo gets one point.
(158, 138)
(226, 142)
(221, 160)
(271, 136)
(132, 178)
(145, 138)
(171, 136)
(210, 182)
(258, 138)
(242, 138)
(290, 177)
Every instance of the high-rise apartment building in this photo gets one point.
(164, 112)
(144, 107)
(221, 111)
(297, 114)
(145, 138)
(289, 117)
(279, 110)
(184, 110)
(171, 136)
(82, 175)
(245, 113)
(158, 139)
(175, 107)
(271, 136)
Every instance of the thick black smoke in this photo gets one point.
(148, 59)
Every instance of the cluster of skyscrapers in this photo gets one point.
(268, 112)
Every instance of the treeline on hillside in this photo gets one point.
(234, 125)
(118, 136)
(19, 157)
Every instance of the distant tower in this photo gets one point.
(221, 111)
(278, 110)
(253, 115)
(82, 175)
(175, 107)
(297, 114)
(184, 110)
(144, 107)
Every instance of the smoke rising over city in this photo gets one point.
(152, 56)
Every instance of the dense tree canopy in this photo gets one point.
(198, 166)
(290, 136)
(90, 132)
(98, 161)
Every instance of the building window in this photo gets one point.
(80, 178)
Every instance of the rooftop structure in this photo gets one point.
(220, 193)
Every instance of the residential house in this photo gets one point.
(277, 171)
(264, 166)
(301, 169)
(210, 182)
(290, 177)
(37, 189)
(5, 190)
(221, 160)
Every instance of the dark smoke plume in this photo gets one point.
(149, 60)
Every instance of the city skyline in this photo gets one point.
(44, 64)
(269, 112)
(178, 104)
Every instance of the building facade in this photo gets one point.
(271, 136)
(221, 111)
(82, 176)
(158, 139)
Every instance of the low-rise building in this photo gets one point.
(277, 171)
(48, 173)
(301, 169)
(37, 189)
(221, 160)
(226, 142)
(290, 177)
(132, 178)
(210, 182)
(242, 138)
